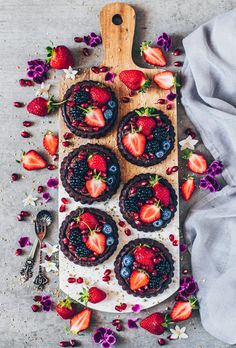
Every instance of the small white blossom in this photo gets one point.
(43, 90)
(30, 200)
(178, 333)
(49, 266)
(70, 73)
(188, 143)
(50, 249)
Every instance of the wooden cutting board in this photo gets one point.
(117, 21)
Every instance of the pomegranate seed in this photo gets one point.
(118, 327)
(71, 247)
(95, 69)
(35, 308)
(127, 232)
(25, 83)
(40, 189)
(150, 137)
(51, 167)
(123, 306)
(125, 99)
(24, 213)
(73, 343)
(175, 242)
(178, 63)
(78, 39)
(107, 272)
(121, 223)
(80, 280)
(18, 252)
(159, 123)
(104, 108)
(14, 177)
(177, 52)
(85, 52)
(103, 69)
(161, 342)
(106, 278)
(171, 237)
(27, 124)
(37, 298)
(66, 241)
(20, 217)
(18, 104)
(64, 200)
(185, 271)
(95, 129)
(71, 280)
(115, 322)
(133, 190)
(132, 93)
(193, 135)
(64, 344)
(47, 258)
(137, 222)
(55, 157)
(168, 170)
(175, 169)
(161, 101)
(66, 143)
(84, 239)
(25, 134)
(68, 135)
(135, 216)
(77, 88)
(169, 106)
(62, 208)
(118, 308)
(75, 123)
(188, 131)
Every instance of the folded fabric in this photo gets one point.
(208, 95)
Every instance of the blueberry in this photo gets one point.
(110, 180)
(108, 114)
(166, 214)
(107, 229)
(112, 104)
(158, 223)
(125, 272)
(110, 240)
(128, 260)
(113, 168)
(165, 145)
(159, 154)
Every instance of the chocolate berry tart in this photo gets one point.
(148, 202)
(144, 267)
(90, 109)
(90, 173)
(88, 236)
(145, 136)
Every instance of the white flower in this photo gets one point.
(49, 266)
(30, 200)
(43, 90)
(178, 333)
(188, 143)
(70, 73)
(50, 249)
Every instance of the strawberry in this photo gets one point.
(138, 279)
(162, 193)
(150, 213)
(66, 308)
(183, 310)
(146, 124)
(86, 220)
(196, 162)
(145, 255)
(187, 188)
(50, 143)
(135, 80)
(59, 57)
(154, 323)
(95, 186)
(93, 295)
(94, 117)
(97, 162)
(32, 160)
(134, 142)
(165, 80)
(100, 95)
(42, 107)
(80, 321)
(96, 242)
(152, 55)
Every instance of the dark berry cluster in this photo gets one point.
(77, 182)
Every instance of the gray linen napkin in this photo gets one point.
(209, 98)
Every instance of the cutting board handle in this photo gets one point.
(117, 22)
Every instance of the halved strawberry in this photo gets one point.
(93, 295)
(135, 80)
(183, 310)
(196, 162)
(100, 95)
(96, 242)
(80, 321)
(86, 220)
(135, 143)
(162, 193)
(138, 279)
(150, 213)
(145, 255)
(187, 188)
(95, 186)
(94, 117)
(152, 55)
(165, 80)
(97, 162)
(32, 160)
(50, 143)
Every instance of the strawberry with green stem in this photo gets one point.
(152, 55)
(86, 220)
(42, 107)
(196, 162)
(93, 116)
(92, 295)
(66, 308)
(166, 80)
(162, 193)
(59, 57)
(146, 121)
(96, 185)
(135, 80)
(156, 323)
(32, 160)
(182, 310)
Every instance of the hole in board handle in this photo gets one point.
(117, 19)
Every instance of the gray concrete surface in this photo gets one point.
(25, 29)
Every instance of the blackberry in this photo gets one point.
(75, 237)
(131, 204)
(81, 168)
(81, 97)
(163, 268)
(160, 133)
(82, 250)
(144, 193)
(155, 282)
(77, 182)
(77, 114)
(152, 146)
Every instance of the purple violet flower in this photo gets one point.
(209, 183)
(109, 77)
(92, 40)
(136, 308)
(165, 41)
(171, 96)
(105, 337)
(46, 196)
(37, 70)
(46, 303)
(132, 323)
(215, 168)
(24, 241)
(52, 183)
(188, 287)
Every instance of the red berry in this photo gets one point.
(62, 208)
(35, 308)
(68, 135)
(73, 343)
(175, 242)
(25, 83)
(177, 52)
(127, 232)
(75, 123)
(168, 170)
(80, 280)
(24, 213)
(169, 106)
(121, 223)
(27, 124)
(40, 189)
(175, 169)
(37, 298)
(171, 237)
(47, 258)
(66, 143)
(178, 63)
(78, 39)
(115, 322)
(64, 344)
(106, 278)
(18, 104)
(103, 69)
(51, 167)
(107, 272)
(64, 200)
(161, 342)
(18, 252)
(95, 69)
(71, 280)
(118, 327)
(25, 134)
(161, 101)
(85, 52)
(14, 177)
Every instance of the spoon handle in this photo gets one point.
(41, 280)
(26, 271)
